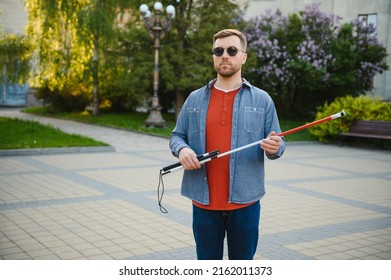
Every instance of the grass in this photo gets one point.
(302, 135)
(24, 134)
(134, 121)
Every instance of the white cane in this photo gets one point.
(216, 154)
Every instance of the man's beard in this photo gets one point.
(226, 73)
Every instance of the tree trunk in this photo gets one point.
(4, 84)
(95, 79)
(180, 99)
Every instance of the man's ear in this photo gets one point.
(244, 59)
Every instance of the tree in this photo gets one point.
(307, 59)
(97, 27)
(75, 42)
(186, 53)
(59, 74)
(100, 50)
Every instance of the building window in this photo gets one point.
(368, 19)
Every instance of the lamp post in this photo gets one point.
(157, 27)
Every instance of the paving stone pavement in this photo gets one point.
(322, 202)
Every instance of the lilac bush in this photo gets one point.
(365, 40)
(308, 58)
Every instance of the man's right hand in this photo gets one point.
(188, 158)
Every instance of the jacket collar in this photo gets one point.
(211, 83)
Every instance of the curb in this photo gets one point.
(48, 151)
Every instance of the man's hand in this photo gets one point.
(188, 158)
(272, 143)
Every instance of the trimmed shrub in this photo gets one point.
(362, 107)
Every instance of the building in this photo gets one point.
(13, 19)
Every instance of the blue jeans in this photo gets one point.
(241, 226)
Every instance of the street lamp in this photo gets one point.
(157, 27)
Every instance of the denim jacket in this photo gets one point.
(253, 118)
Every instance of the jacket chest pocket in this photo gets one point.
(193, 117)
(254, 119)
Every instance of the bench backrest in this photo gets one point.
(371, 127)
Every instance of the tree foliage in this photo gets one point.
(75, 42)
(361, 107)
(61, 59)
(14, 58)
(90, 50)
(304, 60)
(186, 57)
(99, 52)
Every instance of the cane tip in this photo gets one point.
(343, 114)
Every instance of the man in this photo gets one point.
(225, 114)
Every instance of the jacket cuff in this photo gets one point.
(177, 149)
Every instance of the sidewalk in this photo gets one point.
(322, 202)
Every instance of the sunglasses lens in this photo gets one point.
(232, 51)
(218, 51)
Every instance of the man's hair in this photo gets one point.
(231, 32)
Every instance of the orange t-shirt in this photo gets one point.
(218, 137)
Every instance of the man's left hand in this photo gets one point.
(272, 143)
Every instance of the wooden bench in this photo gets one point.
(369, 129)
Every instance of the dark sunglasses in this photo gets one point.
(232, 51)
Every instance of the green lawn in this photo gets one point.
(129, 121)
(24, 134)
(302, 135)
(134, 121)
